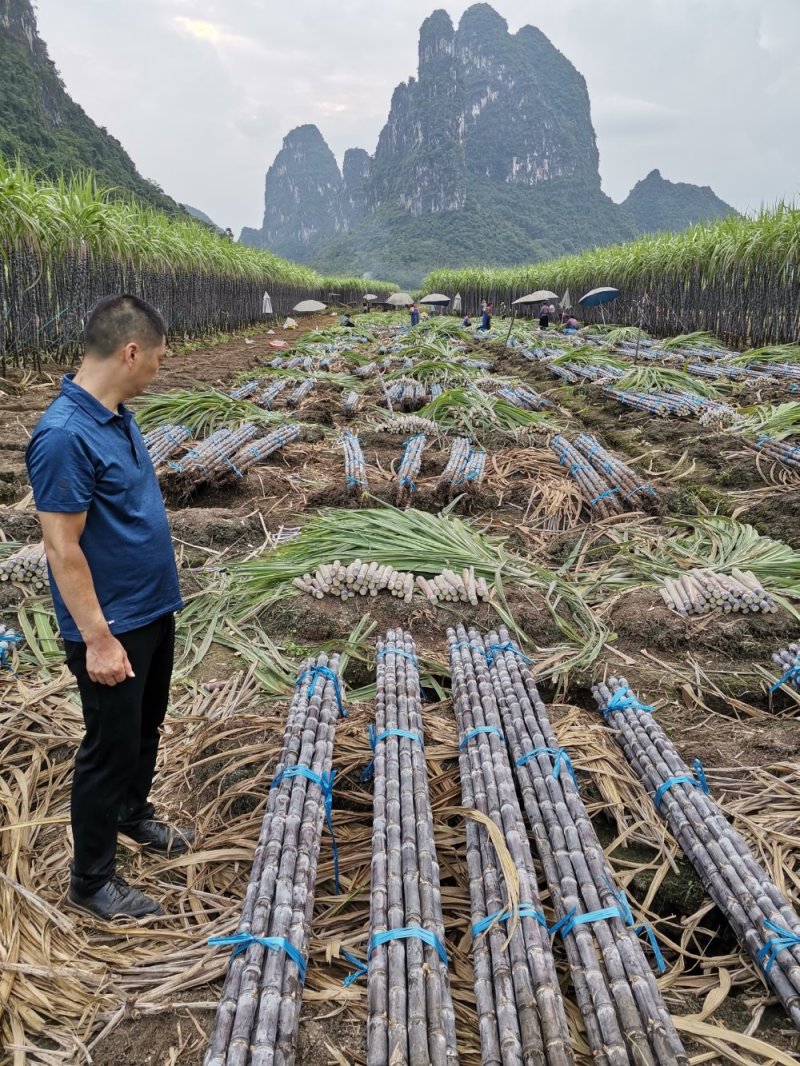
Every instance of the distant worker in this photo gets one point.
(346, 321)
(565, 314)
(551, 311)
(486, 318)
(544, 315)
(414, 310)
(467, 322)
(483, 306)
(571, 325)
(503, 309)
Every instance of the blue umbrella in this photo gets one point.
(595, 297)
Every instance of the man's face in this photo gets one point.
(143, 364)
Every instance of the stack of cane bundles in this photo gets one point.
(406, 394)
(165, 441)
(760, 915)
(781, 450)
(435, 391)
(258, 450)
(715, 413)
(258, 1016)
(411, 1017)
(297, 395)
(449, 587)
(407, 424)
(521, 1016)
(594, 372)
(356, 579)
(523, 397)
(247, 390)
(623, 1011)
(595, 489)
(26, 566)
(788, 661)
(409, 467)
(563, 373)
(679, 405)
(702, 590)
(355, 470)
(367, 371)
(272, 392)
(350, 404)
(615, 472)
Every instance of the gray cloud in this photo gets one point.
(201, 93)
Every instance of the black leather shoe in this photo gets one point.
(115, 899)
(160, 836)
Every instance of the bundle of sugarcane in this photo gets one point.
(521, 1017)
(562, 372)
(407, 363)
(26, 566)
(702, 590)
(386, 364)
(308, 364)
(164, 441)
(350, 403)
(602, 497)
(212, 458)
(608, 464)
(407, 393)
(661, 404)
(594, 372)
(780, 370)
(277, 362)
(409, 467)
(625, 1017)
(456, 465)
(411, 1017)
(474, 471)
(782, 450)
(435, 391)
(258, 450)
(244, 392)
(523, 397)
(258, 1015)
(407, 424)
(715, 371)
(295, 362)
(272, 392)
(757, 911)
(355, 471)
(368, 370)
(325, 362)
(356, 579)
(449, 587)
(788, 660)
(716, 413)
(297, 395)
(475, 364)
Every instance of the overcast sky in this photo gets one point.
(201, 92)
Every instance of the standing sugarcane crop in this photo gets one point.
(759, 914)
(521, 1017)
(411, 1018)
(257, 1019)
(355, 471)
(602, 497)
(612, 468)
(409, 468)
(625, 1017)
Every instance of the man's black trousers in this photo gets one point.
(117, 757)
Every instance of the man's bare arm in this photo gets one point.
(106, 660)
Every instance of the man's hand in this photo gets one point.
(107, 661)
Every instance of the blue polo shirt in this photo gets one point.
(83, 457)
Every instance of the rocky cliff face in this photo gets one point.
(657, 204)
(488, 156)
(43, 126)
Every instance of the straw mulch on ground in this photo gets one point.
(68, 983)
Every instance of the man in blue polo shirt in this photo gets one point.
(115, 589)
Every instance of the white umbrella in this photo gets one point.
(266, 304)
(537, 297)
(457, 302)
(400, 299)
(435, 298)
(370, 296)
(566, 301)
(306, 307)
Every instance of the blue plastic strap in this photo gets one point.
(325, 782)
(361, 969)
(524, 910)
(477, 732)
(497, 649)
(622, 911)
(646, 487)
(560, 757)
(326, 672)
(784, 940)
(575, 467)
(624, 700)
(10, 637)
(401, 652)
(602, 496)
(698, 781)
(375, 738)
(242, 941)
(792, 675)
(468, 644)
(406, 933)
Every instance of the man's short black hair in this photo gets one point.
(118, 320)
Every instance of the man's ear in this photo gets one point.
(129, 352)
